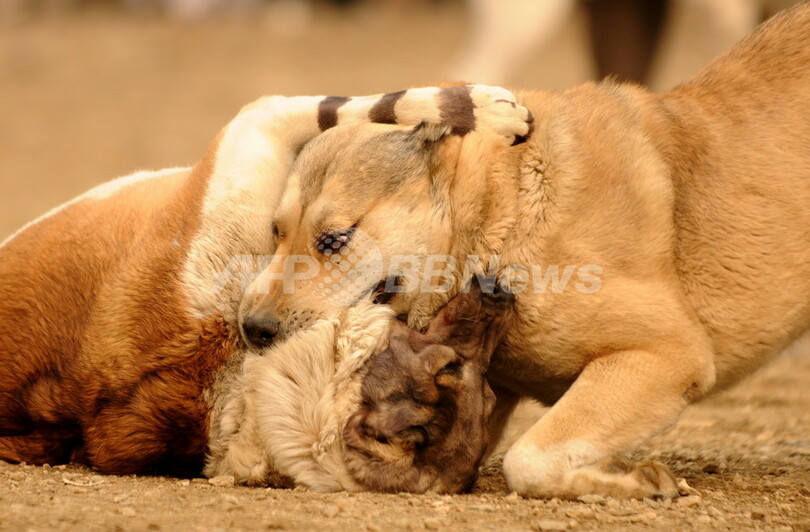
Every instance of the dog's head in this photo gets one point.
(365, 403)
(371, 212)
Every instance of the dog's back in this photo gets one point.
(95, 341)
(738, 149)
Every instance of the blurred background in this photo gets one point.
(94, 89)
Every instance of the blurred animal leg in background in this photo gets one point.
(699, 30)
(657, 42)
(504, 33)
(624, 36)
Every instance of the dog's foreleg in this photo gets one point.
(251, 158)
(616, 403)
(293, 121)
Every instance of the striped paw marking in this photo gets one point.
(464, 108)
(497, 109)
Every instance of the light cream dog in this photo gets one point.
(659, 245)
(364, 403)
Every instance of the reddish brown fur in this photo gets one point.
(101, 362)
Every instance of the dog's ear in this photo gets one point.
(437, 145)
(428, 134)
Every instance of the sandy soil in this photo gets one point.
(86, 97)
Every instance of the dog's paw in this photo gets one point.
(549, 474)
(622, 478)
(497, 110)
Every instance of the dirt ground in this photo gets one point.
(85, 97)
(746, 452)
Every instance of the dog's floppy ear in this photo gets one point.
(427, 134)
(438, 145)
(430, 142)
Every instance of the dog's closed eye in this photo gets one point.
(331, 241)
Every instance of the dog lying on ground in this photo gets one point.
(118, 319)
(334, 408)
(659, 245)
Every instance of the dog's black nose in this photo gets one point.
(260, 332)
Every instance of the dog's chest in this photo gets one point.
(540, 374)
(536, 361)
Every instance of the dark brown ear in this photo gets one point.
(474, 321)
(426, 405)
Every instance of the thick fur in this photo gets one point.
(286, 413)
(118, 329)
(100, 360)
(365, 403)
(683, 215)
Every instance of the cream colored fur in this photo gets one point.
(286, 412)
(253, 158)
(154, 267)
(262, 425)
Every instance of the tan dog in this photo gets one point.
(118, 310)
(659, 245)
